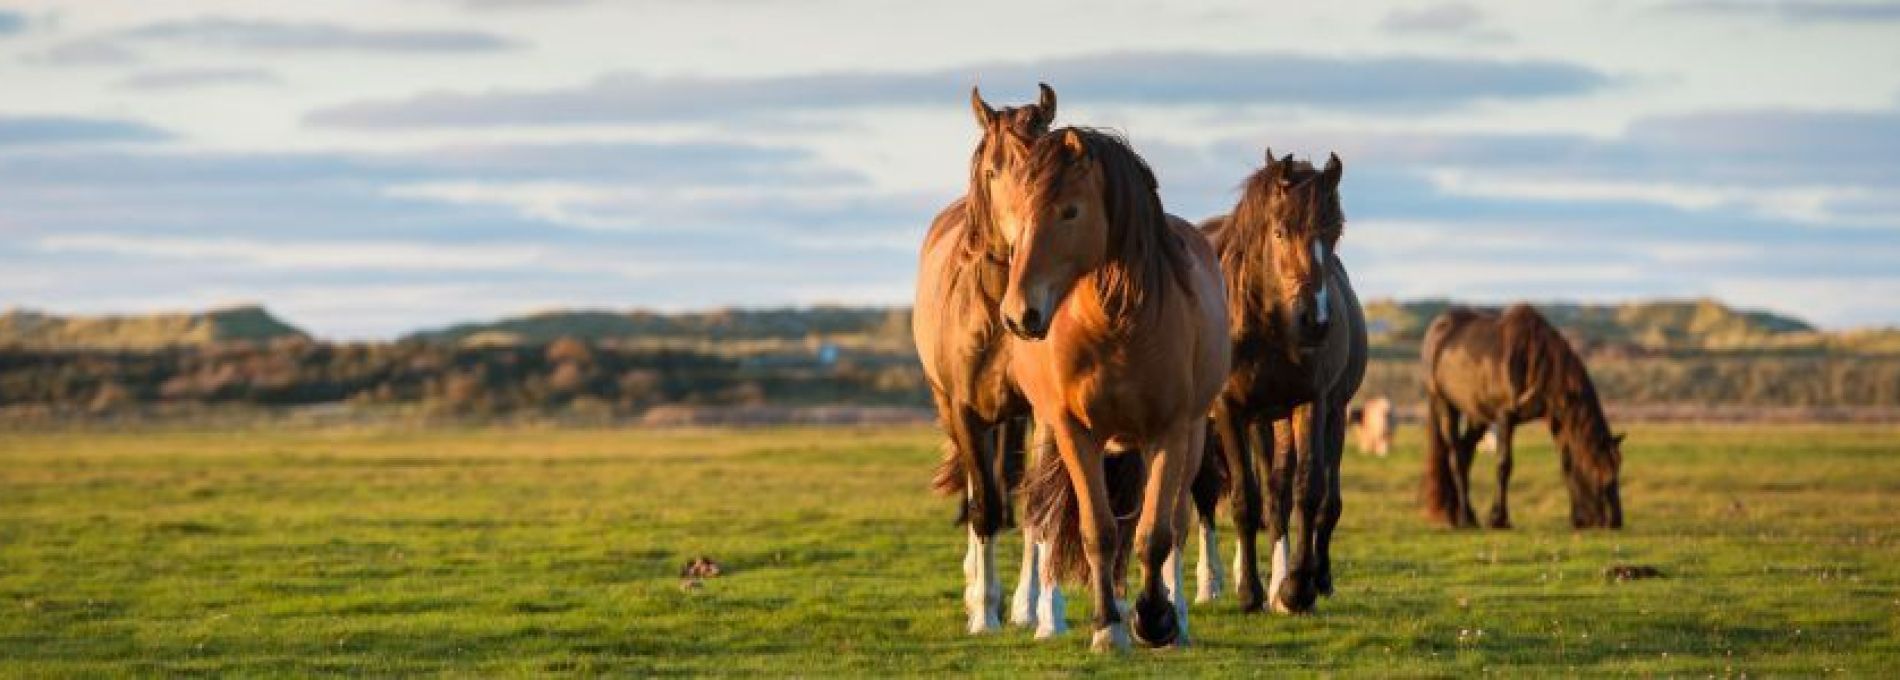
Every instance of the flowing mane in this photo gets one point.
(1019, 127)
(1544, 367)
(1141, 249)
(1241, 258)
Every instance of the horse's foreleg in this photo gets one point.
(1160, 608)
(1501, 509)
(1276, 439)
(1296, 594)
(1082, 458)
(1244, 497)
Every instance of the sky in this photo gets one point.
(365, 169)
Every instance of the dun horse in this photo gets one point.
(960, 342)
(1119, 324)
(1298, 339)
(1484, 369)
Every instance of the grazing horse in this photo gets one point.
(1487, 372)
(1118, 324)
(1298, 339)
(1372, 426)
(959, 283)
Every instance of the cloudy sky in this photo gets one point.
(367, 168)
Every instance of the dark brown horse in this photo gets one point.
(960, 279)
(1298, 340)
(1484, 369)
(1119, 321)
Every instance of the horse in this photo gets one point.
(959, 283)
(1117, 322)
(1298, 341)
(1490, 372)
(1372, 426)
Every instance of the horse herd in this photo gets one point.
(1154, 367)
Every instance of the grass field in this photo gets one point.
(520, 551)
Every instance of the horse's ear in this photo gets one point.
(1270, 159)
(984, 114)
(1281, 168)
(1045, 105)
(1330, 175)
(1077, 146)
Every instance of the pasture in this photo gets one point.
(525, 551)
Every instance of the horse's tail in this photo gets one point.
(1050, 501)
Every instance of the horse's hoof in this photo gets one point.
(983, 624)
(1252, 597)
(1114, 638)
(1154, 622)
(1051, 629)
(1208, 590)
(1500, 521)
(1293, 599)
(1324, 585)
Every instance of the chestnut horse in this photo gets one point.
(1487, 372)
(1298, 340)
(960, 279)
(1118, 318)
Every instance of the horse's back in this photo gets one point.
(1464, 361)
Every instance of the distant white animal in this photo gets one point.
(1372, 426)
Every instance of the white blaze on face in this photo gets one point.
(1320, 297)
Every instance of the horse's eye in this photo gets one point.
(1068, 212)
(1279, 233)
(989, 173)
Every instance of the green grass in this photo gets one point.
(526, 552)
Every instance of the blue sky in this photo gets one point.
(368, 168)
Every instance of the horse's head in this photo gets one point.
(1297, 206)
(1007, 134)
(1596, 499)
(1052, 213)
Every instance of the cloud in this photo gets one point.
(255, 34)
(1799, 11)
(11, 23)
(16, 131)
(93, 51)
(1152, 78)
(196, 78)
(1454, 19)
(304, 254)
(258, 35)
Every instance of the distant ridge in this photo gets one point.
(785, 323)
(33, 329)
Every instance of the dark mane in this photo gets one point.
(1142, 251)
(1243, 261)
(1544, 367)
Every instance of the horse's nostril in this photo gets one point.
(1032, 320)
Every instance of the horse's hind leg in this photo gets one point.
(1208, 577)
(1244, 500)
(1501, 509)
(1334, 505)
(1464, 451)
(1296, 595)
(982, 590)
(1022, 609)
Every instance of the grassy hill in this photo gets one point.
(32, 329)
